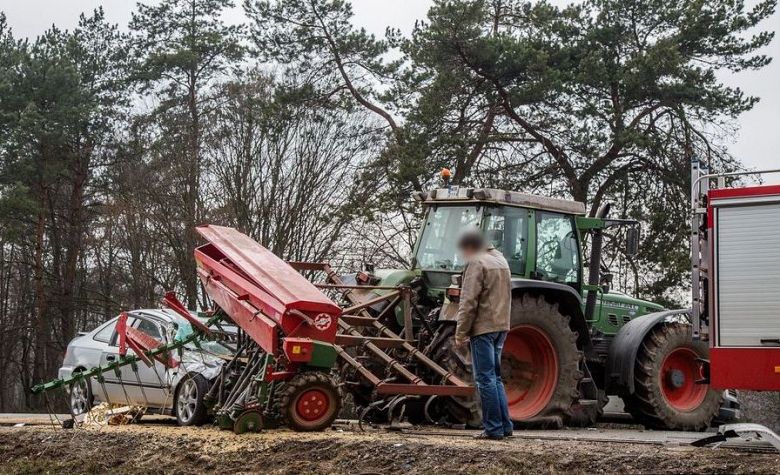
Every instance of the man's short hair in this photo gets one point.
(471, 239)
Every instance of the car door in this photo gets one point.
(92, 353)
(112, 388)
(144, 386)
(152, 383)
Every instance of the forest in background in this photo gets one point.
(309, 134)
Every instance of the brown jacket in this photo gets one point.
(486, 295)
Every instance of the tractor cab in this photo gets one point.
(541, 239)
(537, 235)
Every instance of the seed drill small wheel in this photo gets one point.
(309, 402)
(248, 421)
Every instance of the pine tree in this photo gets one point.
(181, 48)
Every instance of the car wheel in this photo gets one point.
(80, 397)
(190, 407)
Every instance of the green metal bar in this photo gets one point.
(587, 223)
(530, 260)
(127, 360)
(600, 291)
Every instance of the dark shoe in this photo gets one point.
(485, 435)
(509, 434)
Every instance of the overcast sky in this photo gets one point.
(757, 144)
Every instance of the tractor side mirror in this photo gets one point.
(632, 241)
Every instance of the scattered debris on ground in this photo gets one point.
(111, 414)
(162, 448)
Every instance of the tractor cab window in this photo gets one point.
(438, 246)
(557, 252)
(506, 229)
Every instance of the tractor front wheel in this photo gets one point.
(309, 402)
(666, 392)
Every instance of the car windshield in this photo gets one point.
(183, 328)
(438, 245)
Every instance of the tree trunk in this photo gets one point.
(73, 239)
(41, 326)
(193, 192)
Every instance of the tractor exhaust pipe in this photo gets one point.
(594, 268)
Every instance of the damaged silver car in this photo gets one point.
(178, 391)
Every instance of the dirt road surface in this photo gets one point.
(159, 447)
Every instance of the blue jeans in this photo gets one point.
(486, 360)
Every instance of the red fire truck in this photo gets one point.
(735, 262)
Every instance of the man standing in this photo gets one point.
(483, 321)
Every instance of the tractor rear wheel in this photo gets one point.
(540, 363)
(309, 401)
(666, 395)
(539, 366)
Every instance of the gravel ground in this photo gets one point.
(761, 407)
(162, 448)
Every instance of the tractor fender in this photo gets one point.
(625, 346)
(568, 300)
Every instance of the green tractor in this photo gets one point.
(573, 341)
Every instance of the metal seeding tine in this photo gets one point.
(166, 385)
(134, 367)
(243, 349)
(163, 385)
(102, 382)
(52, 415)
(222, 371)
(242, 381)
(118, 373)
